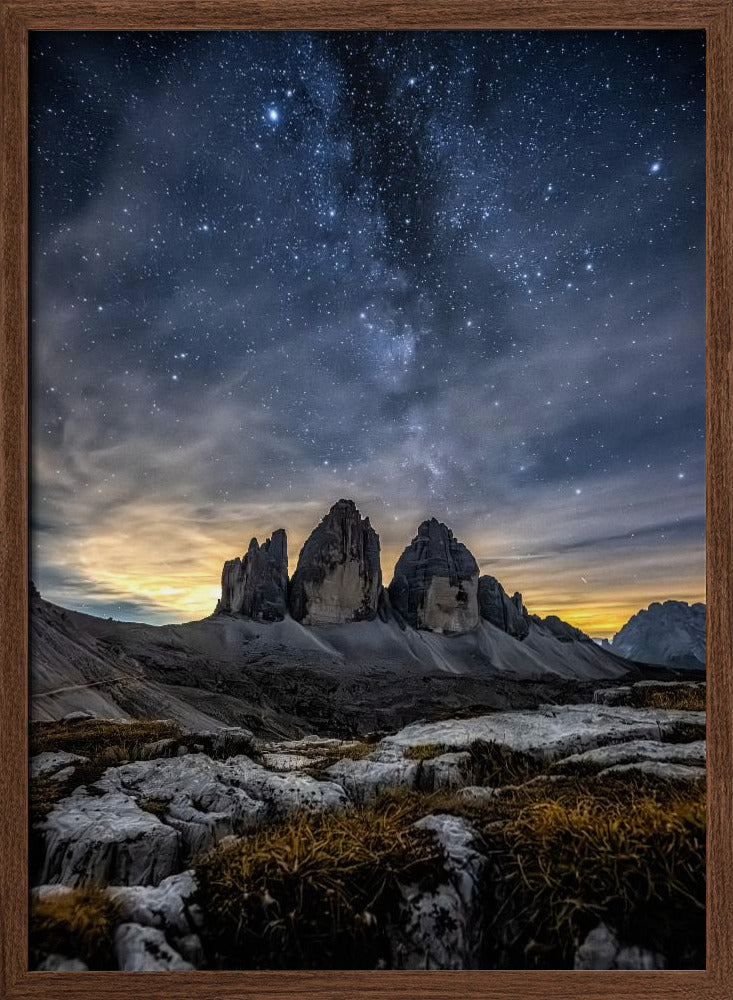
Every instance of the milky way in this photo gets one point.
(450, 274)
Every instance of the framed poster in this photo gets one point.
(435, 309)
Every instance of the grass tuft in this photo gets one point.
(425, 751)
(686, 699)
(92, 737)
(78, 924)
(314, 891)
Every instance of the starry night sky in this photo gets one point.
(450, 274)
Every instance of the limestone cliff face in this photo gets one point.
(435, 582)
(339, 577)
(256, 585)
(495, 606)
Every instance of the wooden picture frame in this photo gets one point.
(19, 17)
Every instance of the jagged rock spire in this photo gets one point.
(496, 607)
(256, 585)
(339, 577)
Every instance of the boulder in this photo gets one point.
(256, 585)
(435, 582)
(644, 691)
(145, 949)
(196, 796)
(614, 695)
(601, 950)
(106, 839)
(447, 770)
(441, 928)
(170, 906)
(366, 779)
(59, 765)
(338, 578)
(60, 963)
(662, 769)
(496, 607)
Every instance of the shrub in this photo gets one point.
(314, 891)
(77, 924)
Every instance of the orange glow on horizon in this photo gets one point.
(169, 564)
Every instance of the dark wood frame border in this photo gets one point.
(20, 16)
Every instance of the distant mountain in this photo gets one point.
(329, 649)
(672, 633)
(333, 650)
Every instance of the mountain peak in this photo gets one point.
(669, 632)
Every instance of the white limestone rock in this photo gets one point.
(199, 802)
(635, 752)
(601, 951)
(145, 949)
(447, 770)
(659, 769)
(106, 839)
(60, 963)
(286, 762)
(552, 731)
(613, 696)
(206, 800)
(441, 929)
(365, 779)
(55, 764)
(169, 906)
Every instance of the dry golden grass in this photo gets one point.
(312, 891)
(687, 699)
(91, 737)
(426, 751)
(77, 924)
(629, 852)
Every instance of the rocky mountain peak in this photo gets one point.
(496, 607)
(672, 633)
(339, 576)
(256, 585)
(435, 581)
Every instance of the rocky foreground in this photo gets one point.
(569, 836)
